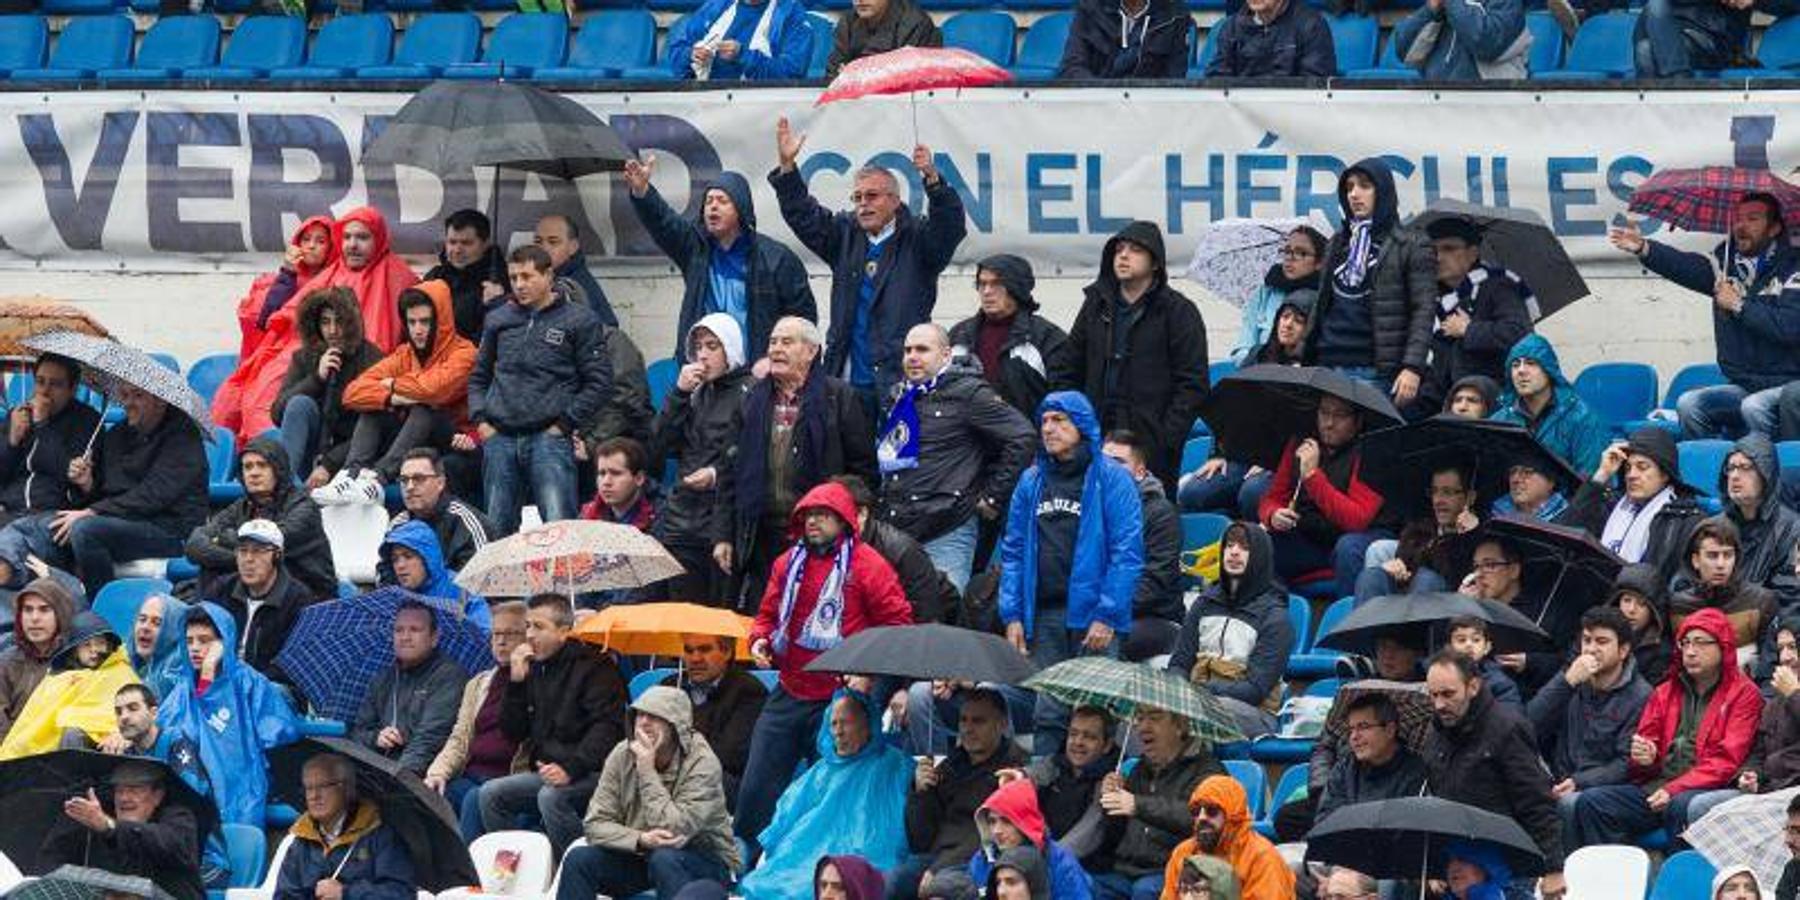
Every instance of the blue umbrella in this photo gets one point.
(338, 647)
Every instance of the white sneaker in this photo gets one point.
(341, 489)
(367, 488)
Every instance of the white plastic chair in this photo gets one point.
(10, 876)
(1607, 872)
(266, 890)
(535, 859)
(556, 882)
(354, 531)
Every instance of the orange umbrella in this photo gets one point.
(24, 317)
(655, 629)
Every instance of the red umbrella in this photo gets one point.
(1704, 199)
(911, 69)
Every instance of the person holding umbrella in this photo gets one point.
(133, 831)
(1479, 316)
(341, 847)
(1147, 811)
(1298, 271)
(1319, 509)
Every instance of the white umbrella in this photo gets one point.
(1746, 830)
(1232, 255)
(567, 557)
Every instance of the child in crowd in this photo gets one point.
(1638, 595)
(1469, 636)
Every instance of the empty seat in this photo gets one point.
(1618, 392)
(1700, 462)
(1255, 783)
(608, 43)
(1354, 38)
(208, 372)
(656, 69)
(1546, 52)
(258, 45)
(1388, 67)
(171, 45)
(1690, 377)
(520, 44)
(85, 47)
(23, 42)
(1602, 50)
(434, 42)
(985, 33)
(1040, 53)
(1778, 54)
(344, 45)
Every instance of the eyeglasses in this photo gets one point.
(509, 632)
(1696, 642)
(313, 790)
(1365, 727)
(984, 284)
(416, 479)
(1489, 565)
(1290, 253)
(867, 196)
(1734, 467)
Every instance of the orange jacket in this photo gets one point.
(441, 381)
(1262, 875)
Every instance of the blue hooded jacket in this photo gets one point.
(1568, 428)
(790, 43)
(1491, 863)
(236, 722)
(1109, 542)
(160, 672)
(440, 579)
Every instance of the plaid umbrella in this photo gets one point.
(1746, 830)
(1409, 701)
(72, 882)
(1704, 199)
(24, 317)
(108, 365)
(573, 556)
(1121, 688)
(1231, 256)
(338, 647)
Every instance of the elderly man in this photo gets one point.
(884, 258)
(410, 708)
(141, 835)
(726, 701)
(1480, 315)
(800, 427)
(269, 493)
(341, 847)
(950, 452)
(560, 237)
(1147, 811)
(478, 750)
(43, 435)
(1012, 342)
(879, 26)
(424, 490)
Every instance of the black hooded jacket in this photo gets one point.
(1031, 344)
(1402, 284)
(1489, 760)
(157, 476)
(307, 553)
(1650, 646)
(1769, 539)
(302, 379)
(1497, 320)
(775, 282)
(697, 429)
(36, 472)
(1242, 623)
(1295, 44)
(1159, 586)
(465, 288)
(1095, 49)
(1152, 378)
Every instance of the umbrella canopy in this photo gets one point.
(1122, 688)
(1746, 830)
(1231, 256)
(1520, 241)
(454, 126)
(338, 647)
(24, 317)
(655, 629)
(1255, 411)
(572, 556)
(1399, 461)
(33, 788)
(1418, 615)
(1409, 700)
(910, 69)
(419, 815)
(927, 652)
(71, 882)
(108, 364)
(1565, 571)
(1705, 199)
(1399, 838)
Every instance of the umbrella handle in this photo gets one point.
(99, 426)
(1119, 766)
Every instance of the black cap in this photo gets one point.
(1456, 227)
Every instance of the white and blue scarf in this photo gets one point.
(898, 448)
(1359, 258)
(824, 628)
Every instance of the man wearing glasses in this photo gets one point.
(1379, 766)
(478, 749)
(1482, 311)
(461, 529)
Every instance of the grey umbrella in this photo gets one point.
(1520, 241)
(108, 364)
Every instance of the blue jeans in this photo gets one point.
(301, 426)
(542, 461)
(1376, 582)
(503, 800)
(932, 723)
(1113, 886)
(1667, 47)
(464, 794)
(589, 871)
(784, 736)
(1726, 410)
(1052, 642)
(1216, 494)
(1295, 556)
(1617, 813)
(953, 552)
(96, 545)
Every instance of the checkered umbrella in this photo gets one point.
(72, 882)
(1746, 830)
(1409, 701)
(567, 557)
(1704, 199)
(1122, 688)
(108, 365)
(338, 647)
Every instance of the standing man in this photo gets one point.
(1138, 349)
(884, 260)
(1013, 343)
(542, 371)
(410, 708)
(1156, 607)
(560, 237)
(1480, 315)
(474, 268)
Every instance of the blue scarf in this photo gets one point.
(1359, 258)
(824, 628)
(898, 448)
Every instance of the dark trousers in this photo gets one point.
(1617, 813)
(785, 735)
(1296, 555)
(382, 439)
(590, 871)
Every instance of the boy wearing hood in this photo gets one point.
(1236, 638)
(1374, 316)
(1480, 315)
(657, 820)
(697, 424)
(1139, 39)
(1006, 335)
(412, 559)
(1642, 596)
(43, 434)
(1472, 397)
(270, 492)
(1221, 812)
(315, 427)
(1073, 550)
(77, 698)
(473, 267)
(1543, 402)
(1137, 349)
(1693, 739)
(42, 614)
(1010, 819)
(727, 265)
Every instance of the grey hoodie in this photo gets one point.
(1770, 537)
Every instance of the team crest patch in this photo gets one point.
(553, 337)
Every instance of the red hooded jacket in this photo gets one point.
(1727, 726)
(872, 597)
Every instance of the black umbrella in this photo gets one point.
(927, 652)
(33, 788)
(1405, 837)
(1413, 617)
(1565, 571)
(1255, 411)
(418, 814)
(1519, 240)
(1398, 461)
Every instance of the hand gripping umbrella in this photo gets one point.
(1122, 688)
(1519, 241)
(110, 365)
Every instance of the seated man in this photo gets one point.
(1773, 764)
(1068, 783)
(263, 599)
(1156, 610)
(411, 558)
(1147, 811)
(139, 495)
(1543, 402)
(940, 811)
(1530, 494)
(138, 734)
(1221, 812)
(1379, 765)
(657, 819)
(1482, 312)
(1585, 719)
(43, 435)
(42, 614)
(315, 427)
(73, 706)
(726, 701)
(1237, 636)
(1271, 39)
(269, 493)
(409, 709)
(140, 835)
(1497, 573)
(1319, 510)
(477, 750)
(878, 26)
(1464, 40)
(417, 396)
(1422, 559)
(623, 491)
(341, 847)
(1710, 580)
(1141, 39)
(1750, 486)
(1648, 520)
(425, 492)
(1473, 397)
(749, 40)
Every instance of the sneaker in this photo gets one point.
(1566, 17)
(336, 492)
(367, 488)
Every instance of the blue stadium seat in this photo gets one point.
(1216, 372)
(769, 677)
(1618, 392)
(954, 5)
(77, 7)
(245, 849)
(210, 371)
(648, 679)
(661, 375)
(1300, 619)
(986, 33)
(1324, 687)
(86, 46)
(1195, 452)
(1700, 464)
(1317, 662)
(1602, 50)
(1697, 375)
(822, 29)
(1684, 876)
(119, 599)
(1788, 453)
(520, 44)
(1201, 529)
(1203, 55)
(23, 42)
(656, 69)
(345, 44)
(1354, 38)
(1255, 783)
(1388, 66)
(1040, 52)
(608, 43)
(172, 44)
(258, 44)
(222, 485)
(1779, 52)
(1546, 52)
(1293, 778)
(434, 42)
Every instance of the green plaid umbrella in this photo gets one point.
(1121, 688)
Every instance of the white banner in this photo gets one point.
(182, 181)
